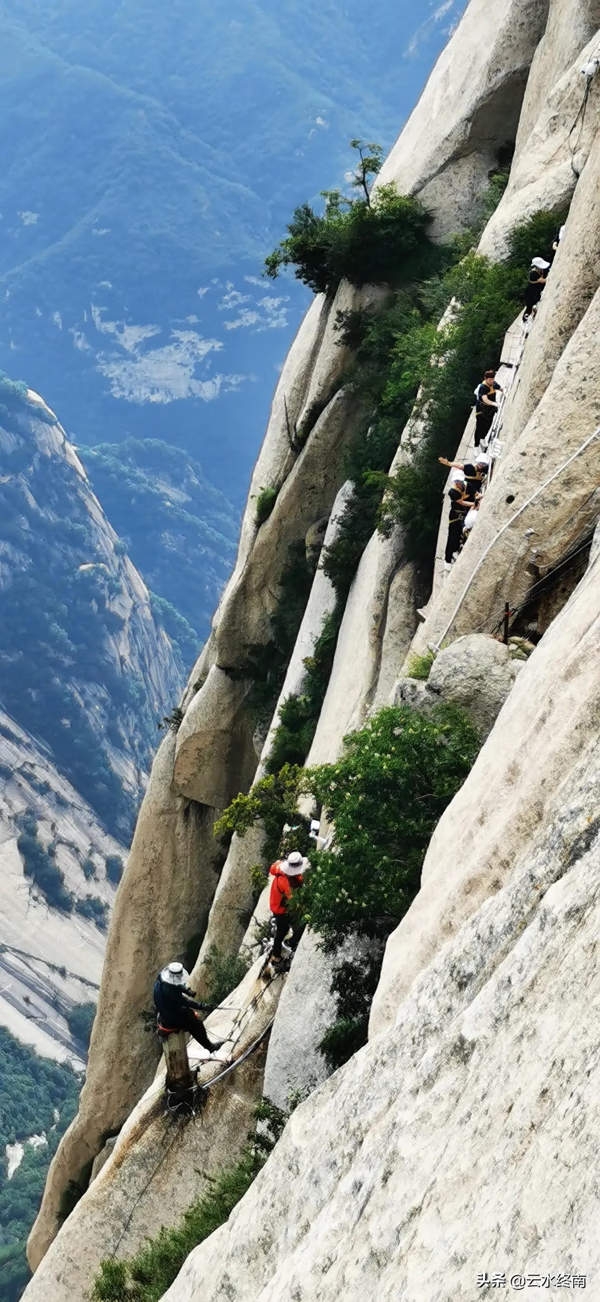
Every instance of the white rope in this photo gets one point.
(507, 525)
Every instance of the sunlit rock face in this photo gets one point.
(432, 1155)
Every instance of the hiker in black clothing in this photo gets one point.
(534, 289)
(473, 474)
(459, 505)
(485, 406)
(176, 1006)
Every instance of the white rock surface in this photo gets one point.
(573, 281)
(353, 683)
(571, 24)
(306, 1010)
(475, 672)
(462, 1140)
(540, 505)
(521, 787)
(544, 173)
(468, 110)
(161, 907)
(158, 1166)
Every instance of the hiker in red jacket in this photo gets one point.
(287, 875)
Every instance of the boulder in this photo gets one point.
(452, 139)
(543, 748)
(475, 672)
(160, 911)
(214, 756)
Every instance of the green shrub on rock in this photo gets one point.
(385, 795)
(264, 504)
(147, 1276)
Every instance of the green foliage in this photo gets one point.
(114, 868)
(223, 972)
(353, 985)
(377, 239)
(147, 1276)
(80, 1021)
(32, 1090)
(266, 665)
(447, 364)
(264, 504)
(385, 796)
(299, 715)
(89, 869)
(39, 864)
(419, 666)
(182, 635)
(375, 339)
(273, 801)
(94, 909)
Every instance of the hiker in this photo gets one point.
(469, 521)
(471, 475)
(485, 406)
(557, 242)
(287, 876)
(535, 286)
(176, 1007)
(459, 505)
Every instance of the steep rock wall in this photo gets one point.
(159, 1165)
(445, 153)
(162, 905)
(572, 283)
(570, 26)
(433, 1154)
(461, 123)
(519, 792)
(542, 503)
(49, 960)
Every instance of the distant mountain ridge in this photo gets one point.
(151, 157)
(180, 532)
(83, 664)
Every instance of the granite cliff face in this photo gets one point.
(50, 959)
(85, 675)
(69, 592)
(430, 1156)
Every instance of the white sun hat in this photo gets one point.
(294, 864)
(175, 975)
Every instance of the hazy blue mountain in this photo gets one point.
(84, 666)
(179, 530)
(150, 156)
